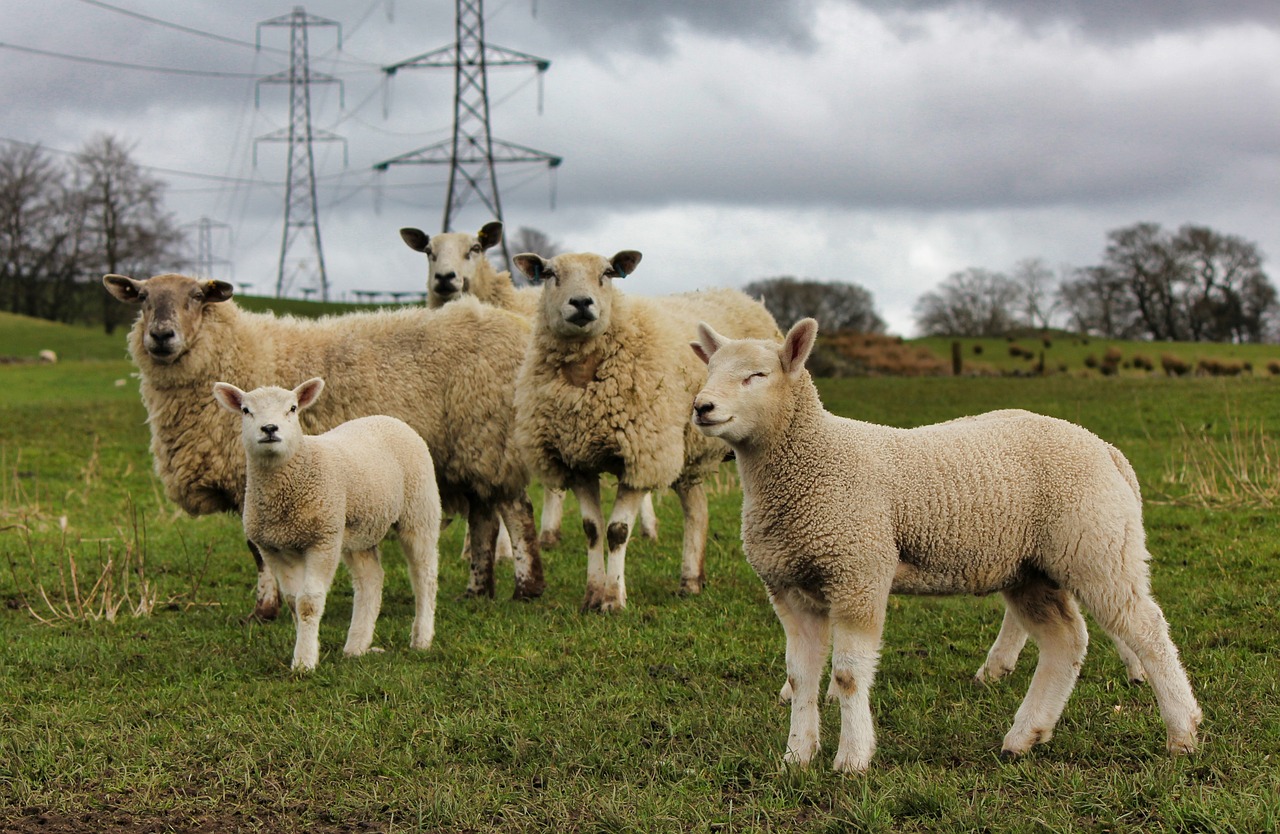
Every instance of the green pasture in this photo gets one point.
(134, 696)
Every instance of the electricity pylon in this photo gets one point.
(300, 216)
(205, 260)
(472, 152)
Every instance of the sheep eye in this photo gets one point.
(293, 408)
(245, 409)
(142, 296)
(750, 377)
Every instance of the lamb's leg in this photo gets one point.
(808, 646)
(648, 518)
(422, 552)
(1052, 618)
(1132, 618)
(367, 575)
(482, 521)
(1003, 655)
(526, 557)
(693, 501)
(552, 515)
(1132, 663)
(619, 533)
(266, 605)
(587, 490)
(855, 651)
(305, 581)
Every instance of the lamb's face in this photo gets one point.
(173, 308)
(269, 423)
(741, 380)
(453, 260)
(577, 290)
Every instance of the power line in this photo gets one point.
(122, 65)
(177, 26)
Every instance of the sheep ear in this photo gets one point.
(490, 234)
(308, 392)
(532, 265)
(624, 263)
(215, 291)
(709, 341)
(228, 396)
(796, 347)
(416, 239)
(122, 287)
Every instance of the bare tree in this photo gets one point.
(35, 230)
(126, 226)
(835, 305)
(1038, 286)
(975, 302)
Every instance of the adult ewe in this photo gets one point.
(311, 502)
(837, 514)
(606, 388)
(448, 373)
(456, 268)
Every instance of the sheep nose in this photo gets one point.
(445, 279)
(270, 428)
(582, 302)
(703, 409)
(162, 335)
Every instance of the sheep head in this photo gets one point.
(172, 309)
(269, 425)
(747, 381)
(453, 259)
(577, 289)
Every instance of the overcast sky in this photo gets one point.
(884, 143)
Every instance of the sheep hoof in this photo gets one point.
(991, 674)
(849, 763)
(264, 612)
(548, 539)
(528, 590)
(1007, 755)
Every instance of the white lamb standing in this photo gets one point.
(837, 514)
(312, 501)
(457, 267)
(606, 388)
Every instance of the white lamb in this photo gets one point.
(448, 373)
(313, 501)
(456, 268)
(606, 388)
(837, 514)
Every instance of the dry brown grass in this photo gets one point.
(1241, 469)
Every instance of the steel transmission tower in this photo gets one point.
(472, 152)
(300, 216)
(205, 260)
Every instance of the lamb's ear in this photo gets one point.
(416, 239)
(709, 341)
(308, 392)
(625, 262)
(215, 291)
(122, 287)
(490, 234)
(796, 347)
(532, 265)
(228, 396)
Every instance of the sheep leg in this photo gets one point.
(854, 655)
(648, 518)
(1052, 617)
(625, 508)
(552, 516)
(1132, 618)
(1003, 654)
(422, 552)
(525, 555)
(808, 645)
(587, 490)
(483, 525)
(266, 605)
(693, 501)
(367, 576)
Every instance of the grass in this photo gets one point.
(531, 716)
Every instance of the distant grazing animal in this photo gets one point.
(606, 389)
(837, 514)
(449, 373)
(311, 502)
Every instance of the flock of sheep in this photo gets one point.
(452, 409)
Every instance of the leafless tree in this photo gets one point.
(835, 305)
(974, 302)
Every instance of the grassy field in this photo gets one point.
(134, 696)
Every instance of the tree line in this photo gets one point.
(65, 223)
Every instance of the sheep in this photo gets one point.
(457, 267)
(312, 501)
(448, 373)
(837, 514)
(606, 388)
